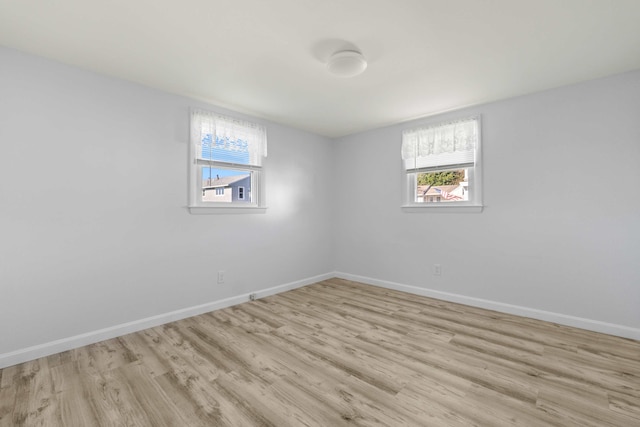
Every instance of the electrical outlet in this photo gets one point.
(220, 277)
(252, 297)
(437, 270)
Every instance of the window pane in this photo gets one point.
(226, 185)
(442, 186)
(225, 150)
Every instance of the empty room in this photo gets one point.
(320, 213)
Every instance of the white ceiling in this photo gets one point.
(267, 57)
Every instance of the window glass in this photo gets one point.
(226, 164)
(441, 164)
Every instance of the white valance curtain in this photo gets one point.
(441, 146)
(226, 139)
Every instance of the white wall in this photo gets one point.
(560, 232)
(94, 231)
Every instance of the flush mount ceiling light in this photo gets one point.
(346, 63)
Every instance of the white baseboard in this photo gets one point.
(46, 349)
(53, 347)
(562, 319)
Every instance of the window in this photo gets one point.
(441, 164)
(226, 154)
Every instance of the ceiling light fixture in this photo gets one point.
(346, 63)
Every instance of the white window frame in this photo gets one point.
(411, 170)
(241, 193)
(255, 136)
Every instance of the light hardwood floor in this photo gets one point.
(331, 354)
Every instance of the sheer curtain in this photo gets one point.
(227, 139)
(446, 144)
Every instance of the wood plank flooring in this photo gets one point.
(335, 353)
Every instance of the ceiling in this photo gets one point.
(268, 58)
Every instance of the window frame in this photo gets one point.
(474, 174)
(197, 164)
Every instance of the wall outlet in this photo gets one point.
(252, 297)
(220, 277)
(437, 270)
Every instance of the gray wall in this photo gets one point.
(561, 228)
(93, 220)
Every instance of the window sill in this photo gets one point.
(235, 209)
(442, 208)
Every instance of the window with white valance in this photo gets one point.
(441, 163)
(226, 162)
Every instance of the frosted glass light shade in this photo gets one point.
(346, 63)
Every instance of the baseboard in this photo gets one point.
(53, 347)
(46, 349)
(562, 319)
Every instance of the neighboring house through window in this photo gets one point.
(226, 189)
(226, 167)
(442, 164)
